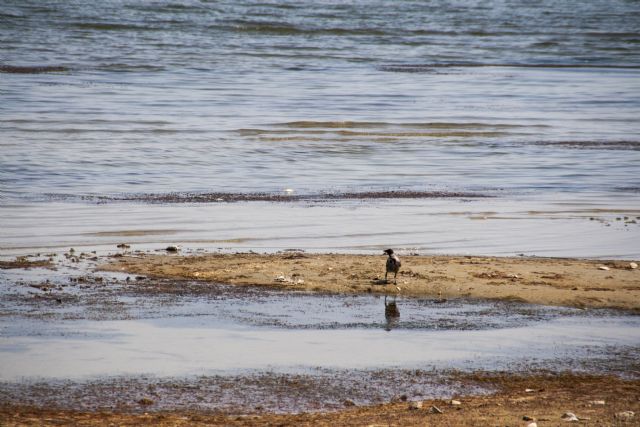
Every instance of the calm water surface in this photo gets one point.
(227, 330)
(537, 104)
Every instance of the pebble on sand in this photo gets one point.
(435, 410)
(570, 416)
(625, 415)
(415, 405)
(145, 401)
(603, 267)
(172, 248)
(633, 265)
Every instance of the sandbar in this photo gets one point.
(550, 281)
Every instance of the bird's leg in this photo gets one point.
(395, 278)
(385, 276)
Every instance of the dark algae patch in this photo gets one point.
(32, 69)
(276, 197)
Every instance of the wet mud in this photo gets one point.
(318, 390)
(491, 398)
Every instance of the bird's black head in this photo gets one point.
(388, 251)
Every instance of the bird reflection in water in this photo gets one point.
(391, 313)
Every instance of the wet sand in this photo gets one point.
(548, 281)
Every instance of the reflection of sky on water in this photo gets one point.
(277, 333)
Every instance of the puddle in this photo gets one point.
(229, 330)
(204, 346)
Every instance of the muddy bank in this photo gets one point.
(543, 397)
(566, 282)
(249, 393)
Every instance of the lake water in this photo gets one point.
(536, 105)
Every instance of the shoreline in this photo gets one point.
(548, 281)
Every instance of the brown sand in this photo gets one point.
(595, 400)
(22, 262)
(550, 281)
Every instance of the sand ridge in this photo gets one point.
(549, 281)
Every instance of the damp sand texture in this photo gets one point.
(549, 281)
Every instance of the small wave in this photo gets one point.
(32, 69)
(111, 26)
(16, 15)
(611, 34)
(451, 133)
(123, 67)
(310, 131)
(427, 68)
(281, 28)
(627, 189)
(167, 8)
(595, 145)
(548, 43)
(329, 124)
(421, 125)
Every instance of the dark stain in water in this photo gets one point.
(426, 68)
(286, 197)
(32, 69)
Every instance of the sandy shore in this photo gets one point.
(549, 281)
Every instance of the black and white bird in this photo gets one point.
(393, 265)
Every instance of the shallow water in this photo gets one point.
(496, 226)
(534, 104)
(311, 332)
(108, 326)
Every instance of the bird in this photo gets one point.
(393, 265)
